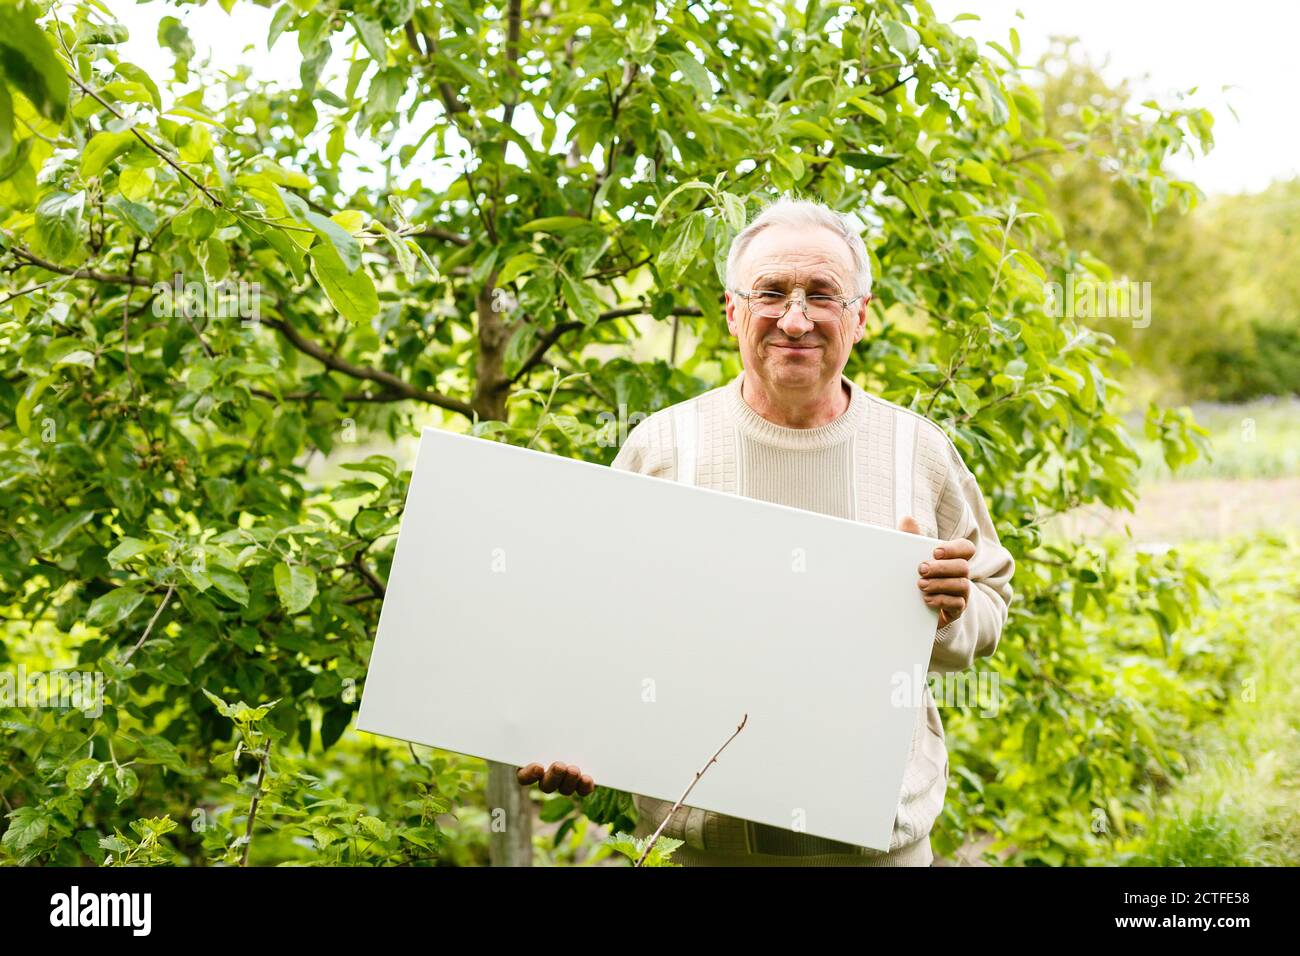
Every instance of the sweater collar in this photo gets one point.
(758, 428)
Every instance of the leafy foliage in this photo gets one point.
(157, 441)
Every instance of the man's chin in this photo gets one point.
(795, 372)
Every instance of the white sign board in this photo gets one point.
(544, 609)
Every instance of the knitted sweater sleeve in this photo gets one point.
(632, 456)
(648, 449)
(976, 632)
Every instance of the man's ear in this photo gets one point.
(730, 311)
(860, 329)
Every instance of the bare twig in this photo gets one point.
(680, 800)
(265, 761)
(171, 589)
(126, 317)
(22, 292)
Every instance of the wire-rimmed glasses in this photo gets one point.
(819, 307)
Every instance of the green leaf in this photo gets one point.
(346, 247)
(351, 293)
(229, 583)
(296, 586)
(7, 150)
(126, 783)
(108, 34)
(555, 224)
(901, 37)
(159, 750)
(631, 847)
(102, 149)
(973, 169)
(681, 246)
(522, 263)
(136, 182)
(196, 143)
(283, 15)
(868, 160)
(29, 63)
(126, 549)
(405, 258)
(223, 708)
(1030, 740)
(376, 826)
(347, 250)
(114, 844)
(556, 808)
(58, 532)
(694, 72)
(26, 826)
(966, 397)
(195, 223)
(372, 38)
(581, 298)
(58, 223)
(869, 108)
(733, 211)
(138, 216)
(108, 609)
(371, 523)
(135, 74)
(83, 773)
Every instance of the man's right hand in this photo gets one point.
(566, 778)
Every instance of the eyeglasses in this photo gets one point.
(771, 304)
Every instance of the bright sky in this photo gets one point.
(1164, 47)
(1167, 47)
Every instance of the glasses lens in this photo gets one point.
(773, 305)
(823, 308)
(770, 305)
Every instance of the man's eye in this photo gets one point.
(770, 296)
(820, 299)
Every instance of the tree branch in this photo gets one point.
(171, 589)
(366, 373)
(512, 54)
(35, 260)
(144, 139)
(376, 397)
(376, 585)
(698, 774)
(450, 100)
(553, 335)
(263, 762)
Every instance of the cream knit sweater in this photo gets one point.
(875, 463)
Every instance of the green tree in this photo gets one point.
(162, 524)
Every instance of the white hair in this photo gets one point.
(790, 211)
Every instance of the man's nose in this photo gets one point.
(794, 323)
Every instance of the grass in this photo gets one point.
(1240, 804)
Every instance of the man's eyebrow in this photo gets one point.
(780, 280)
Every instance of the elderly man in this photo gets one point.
(794, 430)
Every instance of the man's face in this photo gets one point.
(794, 352)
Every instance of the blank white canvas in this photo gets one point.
(541, 608)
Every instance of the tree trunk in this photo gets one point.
(510, 817)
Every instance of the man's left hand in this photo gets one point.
(945, 580)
